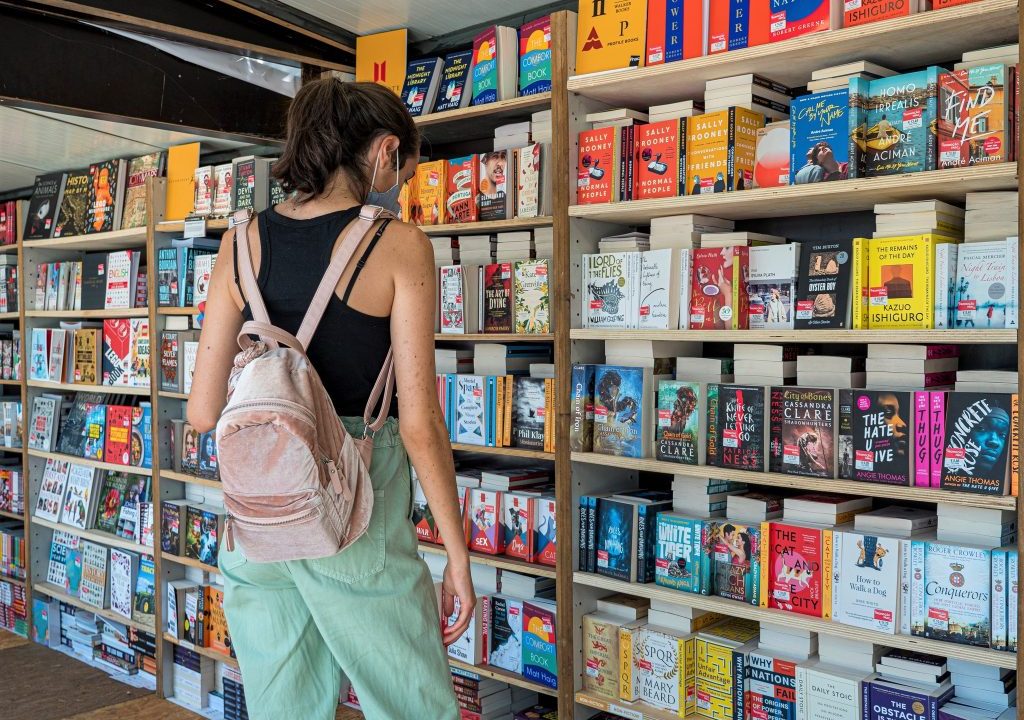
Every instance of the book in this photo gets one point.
(494, 65)
(113, 491)
(492, 197)
(620, 424)
(796, 561)
(986, 286)
(73, 214)
(381, 58)
(484, 528)
(539, 643)
(455, 75)
(736, 422)
(422, 81)
(182, 161)
(206, 188)
(532, 297)
(597, 166)
(471, 410)
(771, 285)
(431, 184)
(675, 31)
(141, 444)
(883, 699)
(900, 281)
(173, 519)
(771, 685)
(735, 551)
(535, 57)
(124, 566)
(819, 149)
(866, 581)
(93, 588)
(117, 345)
(875, 434)
(720, 150)
(681, 433)
(463, 180)
(824, 285)
(660, 149)
(863, 12)
(581, 433)
(612, 284)
(802, 431)
(682, 558)
(216, 626)
(534, 183)
(664, 666)
(86, 356)
(976, 444)
(51, 490)
(954, 594)
(600, 638)
(144, 610)
(117, 443)
(498, 304)
(714, 288)
(41, 214)
(42, 430)
(202, 533)
(80, 497)
(94, 432)
(106, 195)
(610, 37)
(528, 413)
(974, 112)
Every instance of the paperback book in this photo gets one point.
(974, 116)
(620, 424)
(736, 561)
(976, 446)
(955, 590)
(771, 285)
(796, 561)
(802, 431)
(682, 555)
(612, 285)
(823, 295)
(819, 151)
(532, 297)
(680, 435)
(875, 442)
(736, 419)
(866, 581)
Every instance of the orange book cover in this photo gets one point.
(216, 623)
(707, 153)
(610, 35)
(595, 180)
(431, 178)
(463, 178)
(381, 58)
(743, 127)
(658, 156)
(939, 4)
(409, 199)
(182, 161)
(862, 12)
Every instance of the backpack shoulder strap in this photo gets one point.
(246, 273)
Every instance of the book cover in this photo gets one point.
(94, 431)
(528, 413)
(43, 425)
(738, 427)
(601, 655)
(743, 128)
(532, 183)
(824, 285)
(735, 552)
(86, 356)
(223, 185)
(453, 93)
(819, 147)
(51, 490)
(485, 68)
(802, 431)
(381, 58)
(771, 686)
(463, 180)
(535, 57)
(532, 297)
(771, 285)
(216, 625)
(432, 186)
(659, 290)
(182, 161)
(707, 153)
(678, 436)
(796, 561)
(901, 287)
(79, 497)
(539, 649)
(471, 410)
(682, 558)
(41, 215)
(712, 289)
(419, 76)
(452, 298)
(498, 305)
(483, 520)
(619, 415)
(973, 116)
(545, 536)
(106, 192)
(883, 699)
(597, 163)
(140, 169)
(169, 354)
(73, 215)
(612, 284)
(202, 531)
(506, 637)
(862, 12)
(117, 343)
(866, 581)
(144, 610)
(581, 434)
(660, 149)
(880, 445)
(243, 186)
(123, 568)
(206, 188)
(986, 289)
(616, 538)
(675, 31)
(798, 17)
(117, 444)
(610, 37)
(894, 124)
(493, 186)
(93, 588)
(828, 693)
(976, 445)
(517, 525)
(112, 494)
(957, 586)
(665, 668)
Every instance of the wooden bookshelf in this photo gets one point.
(734, 608)
(79, 387)
(506, 451)
(12, 249)
(178, 226)
(188, 562)
(172, 395)
(97, 536)
(901, 44)
(630, 710)
(58, 593)
(205, 652)
(478, 122)
(99, 464)
(13, 581)
(186, 311)
(186, 478)
(88, 314)
(944, 337)
(113, 240)
(10, 316)
(498, 561)
(845, 487)
(11, 383)
(494, 337)
(494, 673)
(858, 194)
(487, 227)
(11, 516)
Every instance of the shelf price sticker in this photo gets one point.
(730, 438)
(804, 309)
(194, 228)
(864, 460)
(954, 459)
(878, 296)
(790, 455)
(664, 418)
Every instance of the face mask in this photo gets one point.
(389, 198)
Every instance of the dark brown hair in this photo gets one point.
(331, 124)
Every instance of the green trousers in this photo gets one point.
(369, 612)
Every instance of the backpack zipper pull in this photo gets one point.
(332, 472)
(229, 536)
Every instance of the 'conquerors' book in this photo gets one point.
(736, 420)
(866, 581)
(956, 594)
(977, 443)
(802, 431)
(875, 442)
(823, 294)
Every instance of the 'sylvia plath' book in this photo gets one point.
(802, 431)
(880, 442)
(738, 427)
(977, 442)
(771, 285)
(823, 286)
(680, 433)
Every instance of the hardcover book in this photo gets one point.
(124, 567)
(60, 548)
(106, 195)
(862, 12)
(901, 286)
(117, 445)
(819, 148)
(79, 498)
(144, 610)
(737, 424)
(802, 431)
(51, 490)
(140, 169)
(601, 655)
(866, 581)
(95, 431)
(974, 116)
(883, 700)
(597, 166)
(528, 413)
(665, 667)
(93, 588)
(956, 591)
(112, 495)
(675, 31)
(453, 93)
(976, 445)
(771, 285)
(463, 180)
(532, 297)
(535, 57)
(41, 215)
(617, 538)
(735, 552)
(796, 562)
(492, 196)
(73, 215)
(117, 344)
(823, 297)
(828, 692)
(771, 686)
(682, 554)
(875, 443)
(498, 304)
(680, 434)
(620, 424)
(86, 356)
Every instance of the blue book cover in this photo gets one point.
(957, 594)
(471, 409)
(739, 24)
(450, 380)
(615, 545)
(819, 149)
(453, 93)
(619, 413)
(886, 700)
(416, 92)
(591, 533)
(142, 436)
(73, 579)
(646, 535)
(581, 533)
(681, 559)
(492, 410)
(672, 42)
(535, 57)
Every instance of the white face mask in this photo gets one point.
(388, 199)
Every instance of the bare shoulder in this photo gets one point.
(408, 247)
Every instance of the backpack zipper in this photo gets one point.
(265, 404)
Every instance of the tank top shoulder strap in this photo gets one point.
(363, 258)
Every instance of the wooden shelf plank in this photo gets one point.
(187, 311)
(845, 487)
(131, 470)
(10, 316)
(498, 561)
(190, 562)
(75, 314)
(495, 337)
(58, 593)
(173, 395)
(957, 337)
(478, 122)
(502, 675)
(10, 382)
(11, 516)
(734, 608)
(178, 226)
(487, 227)
(508, 451)
(630, 710)
(96, 536)
(13, 581)
(12, 248)
(186, 478)
(114, 240)
(901, 44)
(205, 652)
(79, 387)
(816, 199)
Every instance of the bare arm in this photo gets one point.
(218, 342)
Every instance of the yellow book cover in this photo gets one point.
(707, 153)
(901, 282)
(611, 34)
(508, 411)
(549, 435)
(714, 704)
(182, 161)
(827, 558)
(499, 431)
(600, 655)
(431, 179)
(85, 356)
(627, 691)
(765, 533)
(743, 127)
(381, 58)
(859, 290)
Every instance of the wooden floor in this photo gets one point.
(40, 684)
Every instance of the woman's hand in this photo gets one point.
(457, 583)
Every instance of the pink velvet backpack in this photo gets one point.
(296, 483)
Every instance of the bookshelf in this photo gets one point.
(498, 561)
(478, 122)
(959, 337)
(487, 226)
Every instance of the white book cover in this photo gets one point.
(202, 273)
(452, 289)
(957, 590)
(39, 360)
(51, 490)
(528, 180)
(470, 403)
(685, 268)
(945, 284)
(204, 184)
(56, 361)
(42, 425)
(78, 498)
(917, 603)
(140, 353)
(190, 349)
(999, 599)
(469, 648)
(906, 583)
(657, 664)
(771, 285)
(506, 641)
(824, 692)
(659, 290)
(57, 569)
(222, 189)
(123, 567)
(983, 289)
(866, 581)
(120, 287)
(611, 287)
(93, 590)
(1011, 601)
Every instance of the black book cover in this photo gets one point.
(105, 181)
(844, 453)
(94, 281)
(882, 448)
(73, 216)
(454, 78)
(802, 431)
(244, 183)
(528, 413)
(823, 286)
(505, 643)
(977, 442)
(42, 208)
(71, 438)
(739, 429)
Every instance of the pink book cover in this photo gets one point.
(937, 379)
(482, 514)
(934, 352)
(922, 439)
(937, 421)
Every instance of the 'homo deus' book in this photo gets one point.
(736, 420)
(611, 35)
(795, 561)
(977, 442)
(973, 116)
(901, 286)
(957, 585)
(866, 581)
(875, 442)
(802, 431)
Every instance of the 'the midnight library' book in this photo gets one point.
(977, 442)
(802, 437)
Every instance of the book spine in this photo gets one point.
(592, 534)
(685, 268)
(834, 569)
(625, 157)
(905, 579)
(931, 111)
(765, 544)
(626, 664)
(1014, 445)
(858, 291)
(865, 700)
(827, 560)
(922, 439)
(681, 168)
(1012, 278)
(739, 686)
(508, 411)
(998, 599)
(1011, 600)
(856, 130)
(941, 296)
(499, 411)
(937, 442)
(581, 533)
(705, 557)
(641, 544)
(739, 19)
(491, 411)
(917, 582)
(730, 166)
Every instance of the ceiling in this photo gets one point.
(36, 142)
(424, 18)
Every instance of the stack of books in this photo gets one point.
(684, 231)
(513, 135)
(703, 497)
(907, 667)
(477, 249)
(543, 242)
(924, 688)
(661, 356)
(911, 367)
(540, 126)
(831, 371)
(452, 360)
(1000, 381)
(1004, 55)
(193, 677)
(705, 370)
(897, 521)
(679, 618)
(234, 694)
(499, 359)
(755, 364)
(856, 655)
(980, 687)
(837, 77)
(990, 216)
(988, 527)
(823, 508)
(618, 118)
(672, 111)
(513, 246)
(750, 91)
(916, 218)
(798, 643)
(739, 239)
(626, 242)
(753, 507)
(446, 250)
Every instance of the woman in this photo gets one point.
(368, 611)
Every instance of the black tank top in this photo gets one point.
(348, 347)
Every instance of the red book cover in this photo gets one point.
(862, 12)
(485, 531)
(657, 160)
(939, 4)
(117, 345)
(462, 183)
(740, 296)
(798, 569)
(117, 448)
(718, 26)
(498, 315)
(793, 18)
(711, 290)
(595, 182)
